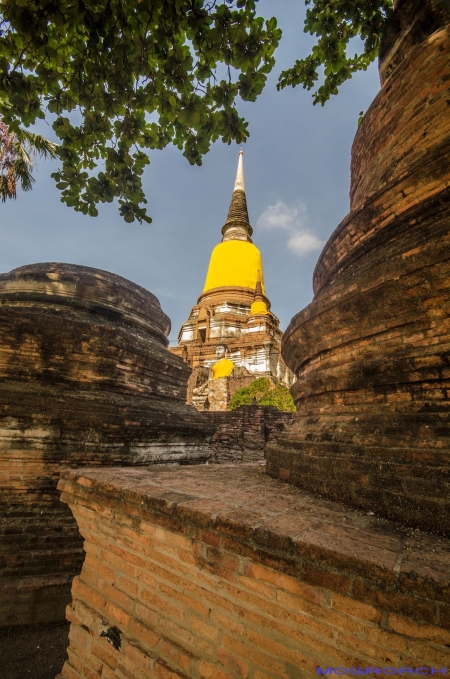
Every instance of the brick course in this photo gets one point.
(336, 589)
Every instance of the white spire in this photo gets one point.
(239, 184)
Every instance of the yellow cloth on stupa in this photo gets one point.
(222, 368)
(234, 263)
(258, 308)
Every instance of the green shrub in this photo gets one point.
(266, 394)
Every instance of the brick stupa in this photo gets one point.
(371, 352)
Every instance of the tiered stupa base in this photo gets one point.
(372, 351)
(86, 381)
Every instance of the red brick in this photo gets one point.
(430, 653)
(229, 623)
(167, 537)
(114, 594)
(160, 604)
(69, 672)
(413, 629)
(205, 629)
(184, 599)
(208, 537)
(232, 663)
(127, 585)
(249, 653)
(294, 625)
(163, 671)
(146, 614)
(211, 671)
(144, 634)
(88, 593)
(74, 660)
(328, 580)
(117, 614)
(108, 673)
(175, 654)
(88, 673)
(139, 659)
(261, 588)
(285, 565)
(100, 568)
(185, 638)
(108, 656)
(412, 607)
(355, 608)
(80, 637)
(225, 559)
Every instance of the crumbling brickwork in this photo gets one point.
(86, 379)
(371, 352)
(219, 572)
(241, 435)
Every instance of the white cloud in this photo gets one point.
(283, 216)
(293, 219)
(304, 242)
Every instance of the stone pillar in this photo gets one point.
(371, 352)
(86, 380)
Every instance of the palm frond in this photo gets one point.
(21, 153)
(7, 187)
(16, 158)
(38, 143)
(23, 174)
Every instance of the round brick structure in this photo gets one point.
(371, 352)
(86, 380)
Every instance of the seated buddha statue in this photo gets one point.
(223, 366)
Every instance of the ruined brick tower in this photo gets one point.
(371, 352)
(231, 330)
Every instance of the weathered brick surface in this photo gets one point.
(86, 379)
(241, 435)
(371, 350)
(180, 580)
(413, 21)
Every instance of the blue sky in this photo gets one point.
(297, 174)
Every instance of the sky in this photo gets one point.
(297, 177)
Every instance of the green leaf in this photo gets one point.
(122, 65)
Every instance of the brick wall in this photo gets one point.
(85, 379)
(242, 434)
(220, 572)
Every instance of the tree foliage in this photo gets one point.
(139, 74)
(17, 150)
(335, 23)
(266, 394)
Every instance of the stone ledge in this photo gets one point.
(238, 509)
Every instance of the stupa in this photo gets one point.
(372, 351)
(232, 336)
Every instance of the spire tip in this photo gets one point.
(239, 184)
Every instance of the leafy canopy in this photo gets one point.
(266, 394)
(139, 74)
(335, 23)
